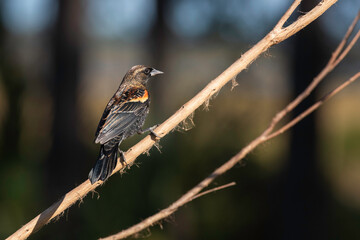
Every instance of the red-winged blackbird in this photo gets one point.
(123, 116)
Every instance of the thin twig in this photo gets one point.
(347, 49)
(274, 37)
(214, 190)
(313, 107)
(345, 38)
(287, 15)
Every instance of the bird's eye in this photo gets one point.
(147, 71)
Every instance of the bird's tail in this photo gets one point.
(106, 162)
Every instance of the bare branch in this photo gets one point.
(304, 20)
(335, 59)
(347, 49)
(274, 37)
(313, 107)
(344, 40)
(287, 15)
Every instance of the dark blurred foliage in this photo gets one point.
(61, 61)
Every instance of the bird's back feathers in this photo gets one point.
(123, 115)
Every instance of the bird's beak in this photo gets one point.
(155, 72)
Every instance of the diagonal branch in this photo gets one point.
(313, 107)
(274, 37)
(287, 15)
(344, 40)
(335, 59)
(265, 136)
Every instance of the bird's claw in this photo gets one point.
(151, 130)
(123, 160)
(155, 135)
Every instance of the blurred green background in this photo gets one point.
(62, 60)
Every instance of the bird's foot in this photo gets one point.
(123, 160)
(151, 130)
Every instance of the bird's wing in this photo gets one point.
(121, 116)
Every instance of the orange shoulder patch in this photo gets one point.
(142, 99)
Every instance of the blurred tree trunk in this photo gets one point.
(158, 41)
(304, 200)
(65, 158)
(14, 87)
(64, 165)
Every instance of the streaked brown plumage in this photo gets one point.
(123, 116)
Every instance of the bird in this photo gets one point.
(124, 116)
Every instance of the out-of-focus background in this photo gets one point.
(61, 61)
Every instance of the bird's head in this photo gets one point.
(140, 74)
